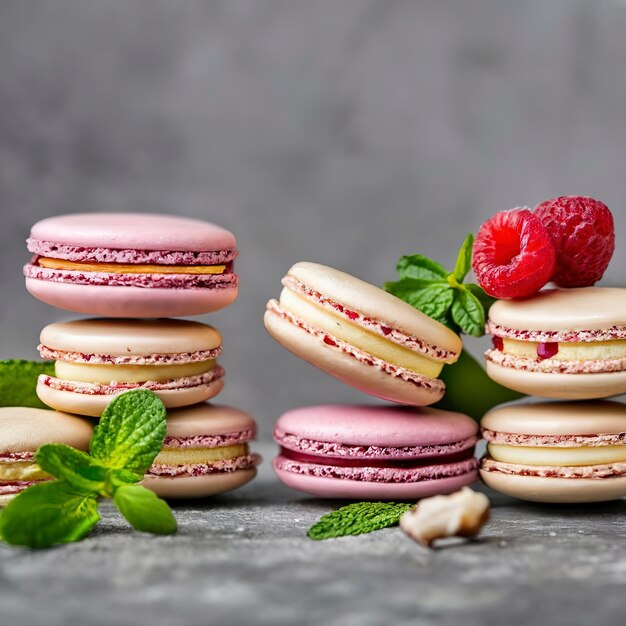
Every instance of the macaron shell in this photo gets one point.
(587, 308)
(561, 386)
(124, 337)
(24, 429)
(375, 303)
(94, 405)
(145, 231)
(198, 486)
(207, 419)
(558, 418)
(324, 487)
(109, 301)
(366, 378)
(384, 426)
(556, 490)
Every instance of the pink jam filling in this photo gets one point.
(498, 343)
(547, 350)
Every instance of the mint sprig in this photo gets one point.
(442, 295)
(358, 518)
(18, 380)
(124, 445)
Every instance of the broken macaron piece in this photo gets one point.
(205, 452)
(131, 265)
(375, 452)
(361, 335)
(568, 344)
(556, 452)
(96, 359)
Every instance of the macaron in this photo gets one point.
(131, 265)
(375, 452)
(568, 344)
(22, 431)
(556, 452)
(205, 452)
(96, 359)
(361, 335)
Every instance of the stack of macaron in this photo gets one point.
(137, 271)
(567, 343)
(375, 342)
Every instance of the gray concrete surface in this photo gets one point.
(244, 559)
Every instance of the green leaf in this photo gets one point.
(358, 518)
(144, 510)
(417, 266)
(433, 299)
(46, 514)
(469, 390)
(464, 259)
(131, 431)
(468, 313)
(82, 472)
(18, 380)
(485, 299)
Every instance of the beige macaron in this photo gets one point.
(568, 344)
(95, 359)
(556, 452)
(205, 452)
(22, 431)
(361, 335)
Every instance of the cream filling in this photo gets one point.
(110, 374)
(364, 340)
(128, 268)
(560, 457)
(21, 470)
(569, 350)
(195, 456)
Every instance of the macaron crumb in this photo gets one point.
(459, 514)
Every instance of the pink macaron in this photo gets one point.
(382, 453)
(131, 265)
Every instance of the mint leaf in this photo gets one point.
(420, 267)
(83, 473)
(144, 510)
(433, 299)
(468, 313)
(485, 299)
(464, 259)
(18, 380)
(131, 431)
(358, 518)
(46, 514)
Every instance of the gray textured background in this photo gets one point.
(341, 131)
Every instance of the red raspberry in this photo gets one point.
(583, 234)
(513, 254)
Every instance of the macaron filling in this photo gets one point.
(123, 268)
(555, 456)
(187, 456)
(373, 325)
(574, 356)
(362, 356)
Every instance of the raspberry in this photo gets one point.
(513, 254)
(583, 234)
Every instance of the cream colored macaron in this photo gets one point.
(556, 452)
(568, 344)
(205, 452)
(361, 334)
(95, 359)
(22, 431)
